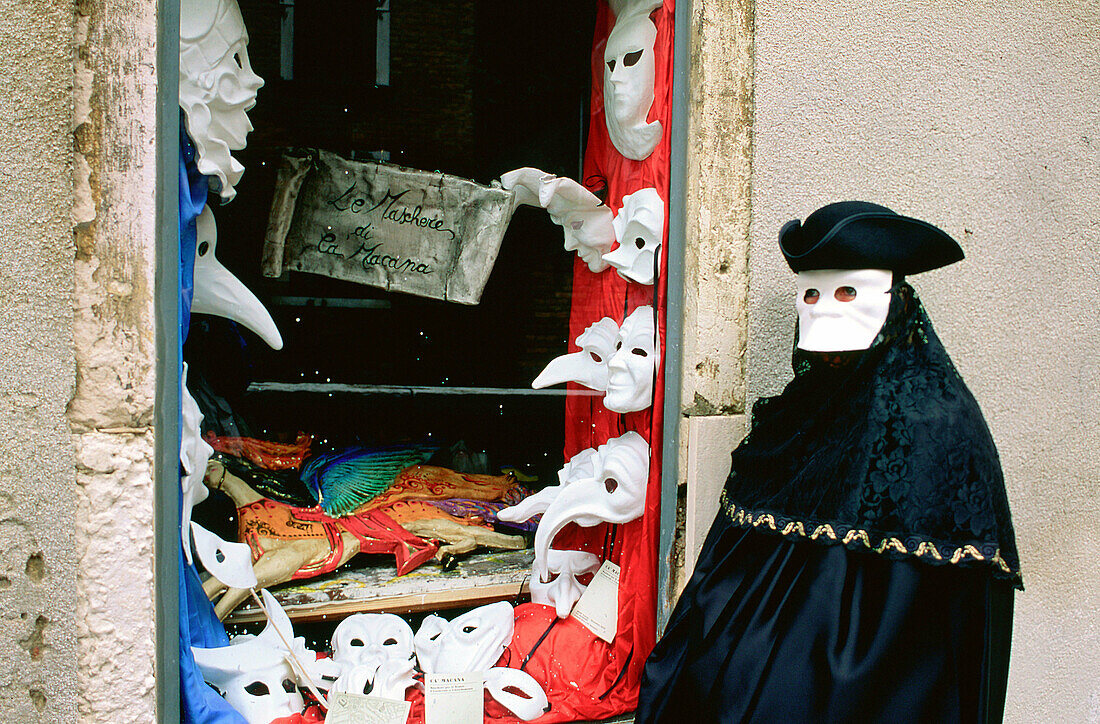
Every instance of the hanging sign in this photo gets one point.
(400, 229)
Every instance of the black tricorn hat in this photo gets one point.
(861, 235)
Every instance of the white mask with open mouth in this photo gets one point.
(631, 368)
(639, 227)
(217, 86)
(841, 310)
(629, 73)
(587, 367)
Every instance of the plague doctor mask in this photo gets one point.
(587, 367)
(471, 642)
(217, 86)
(631, 368)
(628, 76)
(371, 639)
(841, 310)
(639, 226)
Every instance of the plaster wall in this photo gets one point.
(37, 557)
(984, 119)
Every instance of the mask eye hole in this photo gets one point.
(469, 629)
(595, 357)
(639, 242)
(204, 246)
(631, 58)
(619, 345)
(611, 485)
(257, 688)
(611, 65)
(219, 555)
(433, 638)
(289, 686)
(237, 60)
(357, 642)
(390, 642)
(640, 352)
(811, 296)
(845, 294)
(576, 225)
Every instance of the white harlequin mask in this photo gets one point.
(628, 78)
(612, 490)
(841, 310)
(371, 639)
(470, 643)
(229, 563)
(630, 369)
(639, 227)
(563, 590)
(221, 294)
(194, 454)
(217, 86)
(503, 683)
(587, 367)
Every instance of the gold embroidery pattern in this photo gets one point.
(856, 538)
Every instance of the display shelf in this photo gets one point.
(328, 388)
(330, 302)
(474, 581)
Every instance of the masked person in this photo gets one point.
(862, 564)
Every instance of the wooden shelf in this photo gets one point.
(474, 581)
(329, 388)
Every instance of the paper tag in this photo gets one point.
(598, 608)
(358, 709)
(454, 698)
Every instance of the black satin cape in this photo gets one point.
(861, 566)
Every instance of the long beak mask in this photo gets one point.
(587, 367)
(614, 492)
(221, 294)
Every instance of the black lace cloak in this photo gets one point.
(883, 450)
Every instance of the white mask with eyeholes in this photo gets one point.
(639, 226)
(371, 639)
(587, 367)
(469, 643)
(631, 368)
(629, 73)
(841, 310)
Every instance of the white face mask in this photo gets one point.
(639, 227)
(563, 590)
(221, 294)
(229, 563)
(472, 642)
(628, 78)
(502, 682)
(217, 86)
(371, 639)
(612, 490)
(630, 370)
(587, 367)
(388, 680)
(194, 454)
(841, 310)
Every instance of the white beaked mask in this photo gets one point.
(639, 227)
(841, 310)
(587, 367)
(586, 221)
(194, 454)
(221, 294)
(631, 368)
(629, 73)
(371, 639)
(217, 86)
(563, 590)
(472, 642)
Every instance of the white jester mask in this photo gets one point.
(587, 367)
(628, 78)
(631, 368)
(217, 86)
(220, 293)
(841, 310)
(639, 227)
(586, 221)
(371, 639)
(563, 590)
(610, 487)
(194, 454)
(471, 642)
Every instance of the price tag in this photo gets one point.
(358, 709)
(598, 608)
(454, 698)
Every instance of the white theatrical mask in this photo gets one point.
(841, 310)
(628, 76)
(221, 294)
(579, 466)
(229, 563)
(639, 227)
(471, 642)
(563, 590)
(217, 86)
(371, 639)
(587, 367)
(612, 490)
(503, 682)
(631, 368)
(388, 680)
(586, 221)
(194, 454)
